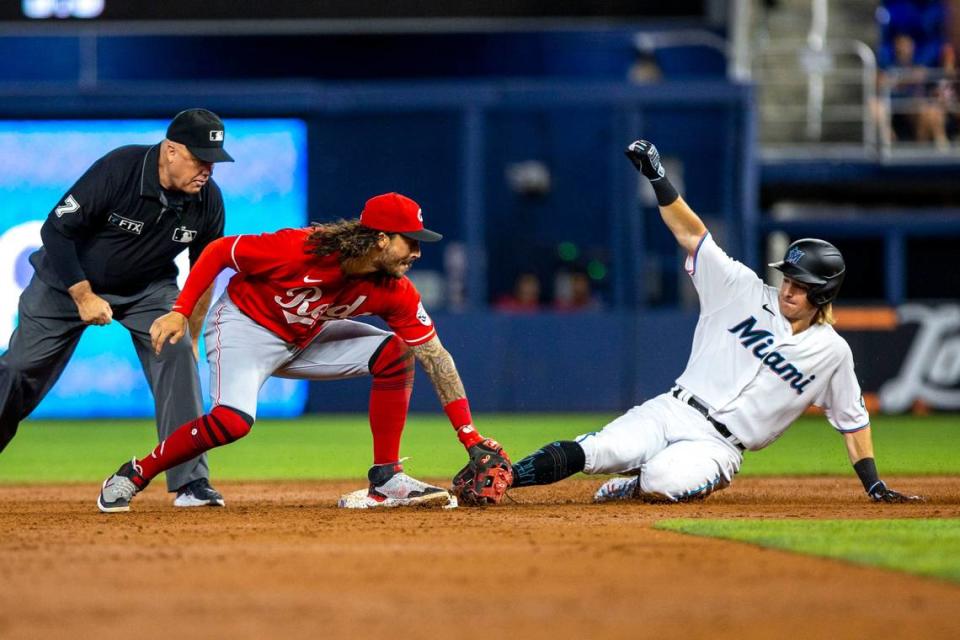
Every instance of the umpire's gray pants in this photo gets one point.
(47, 334)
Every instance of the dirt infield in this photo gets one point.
(282, 562)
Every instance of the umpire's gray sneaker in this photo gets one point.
(118, 490)
(198, 493)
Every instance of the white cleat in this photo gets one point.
(399, 490)
(618, 489)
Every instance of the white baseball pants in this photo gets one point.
(242, 354)
(674, 449)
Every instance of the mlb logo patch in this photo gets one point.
(216, 135)
(794, 256)
(184, 235)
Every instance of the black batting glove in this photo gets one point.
(879, 492)
(646, 159)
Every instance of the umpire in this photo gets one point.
(107, 254)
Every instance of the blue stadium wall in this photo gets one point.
(447, 143)
(547, 362)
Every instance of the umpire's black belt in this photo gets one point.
(719, 426)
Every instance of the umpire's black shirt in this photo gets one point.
(119, 229)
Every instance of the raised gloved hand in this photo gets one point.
(646, 159)
(486, 477)
(881, 493)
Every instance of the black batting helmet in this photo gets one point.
(816, 263)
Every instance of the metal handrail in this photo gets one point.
(820, 61)
(651, 41)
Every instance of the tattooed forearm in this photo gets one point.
(438, 363)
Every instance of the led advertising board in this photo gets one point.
(265, 189)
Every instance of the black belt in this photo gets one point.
(719, 426)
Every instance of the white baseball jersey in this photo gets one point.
(749, 368)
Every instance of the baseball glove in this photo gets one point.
(486, 477)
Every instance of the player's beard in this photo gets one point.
(394, 267)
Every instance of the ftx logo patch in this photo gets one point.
(795, 256)
(131, 226)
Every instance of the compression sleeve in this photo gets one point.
(214, 259)
(63, 255)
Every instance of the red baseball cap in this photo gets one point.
(396, 213)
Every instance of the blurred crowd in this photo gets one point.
(572, 292)
(917, 92)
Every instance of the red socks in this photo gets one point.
(221, 426)
(392, 367)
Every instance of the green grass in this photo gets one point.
(327, 446)
(339, 446)
(905, 445)
(923, 547)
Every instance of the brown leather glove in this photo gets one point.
(486, 477)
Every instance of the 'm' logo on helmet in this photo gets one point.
(816, 263)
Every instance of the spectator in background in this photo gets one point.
(525, 297)
(922, 20)
(918, 99)
(946, 91)
(917, 63)
(644, 68)
(573, 293)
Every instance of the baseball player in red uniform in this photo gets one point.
(285, 313)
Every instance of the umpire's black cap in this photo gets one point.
(202, 132)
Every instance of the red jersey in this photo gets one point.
(294, 293)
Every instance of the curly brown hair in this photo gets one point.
(347, 237)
